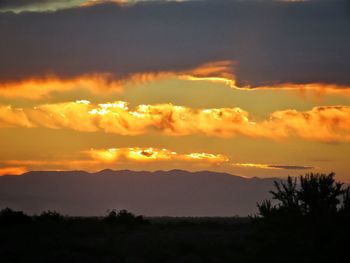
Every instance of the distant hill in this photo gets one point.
(160, 193)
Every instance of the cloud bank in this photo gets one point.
(327, 124)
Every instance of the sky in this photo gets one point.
(250, 87)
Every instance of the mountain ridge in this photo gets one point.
(118, 172)
(157, 193)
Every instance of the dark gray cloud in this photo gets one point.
(291, 167)
(271, 41)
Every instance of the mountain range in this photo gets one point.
(159, 193)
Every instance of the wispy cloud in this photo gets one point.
(101, 83)
(18, 6)
(273, 166)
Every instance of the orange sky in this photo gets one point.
(101, 84)
(116, 133)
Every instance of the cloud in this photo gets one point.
(269, 44)
(18, 6)
(108, 84)
(97, 159)
(313, 89)
(329, 123)
(105, 83)
(37, 88)
(119, 2)
(12, 170)
(291, 167)
(151, 154)
(270, 166)
(326, 124)
(17, 167)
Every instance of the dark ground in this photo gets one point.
(172, 240)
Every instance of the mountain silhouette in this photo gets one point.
(159, 193)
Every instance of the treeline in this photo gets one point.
(9, 216)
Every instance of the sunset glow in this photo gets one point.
(221, 92)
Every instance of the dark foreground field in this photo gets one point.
(66, 239)
(306, 221)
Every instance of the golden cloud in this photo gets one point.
(17, 167)
(330, 123)
(106, 83)
(309, 89)
(12, 170)
(151, 154)
(98, 2)
(42, 87)
(97, 159)
(117, 118)
(37, 88)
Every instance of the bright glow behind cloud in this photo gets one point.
(150, 155)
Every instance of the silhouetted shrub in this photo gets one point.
(319, 194)
(314, 195)
(124, 217)
(345, 209)
(309, 214)
(266, 209)
(9, 216)
(49, 217)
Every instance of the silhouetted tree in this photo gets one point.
(49, 217)
(317, 195)
(345, 209)
(9, 216)
(123, 217)
(266, 209)
(287, 195)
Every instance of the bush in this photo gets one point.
(50, 217)
(345, 209)
(9, 216)
(123, 217)
(314, 195)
